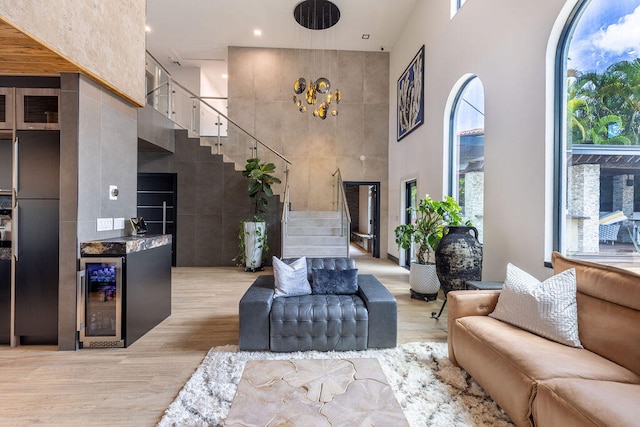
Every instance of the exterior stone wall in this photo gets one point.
(474, 200)
(584, 208)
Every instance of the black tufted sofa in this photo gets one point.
(367, 319)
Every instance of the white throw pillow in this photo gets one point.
(291, 279)
(548, 308)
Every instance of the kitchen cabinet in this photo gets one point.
(36, 237)
(5, 297)
(146, 283)
(6, 163)
(37, 108)
(7, 108)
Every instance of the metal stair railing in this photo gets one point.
(343, 207)
(195, 114)
(286, 208)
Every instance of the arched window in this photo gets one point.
(598, 133)
(466, 151)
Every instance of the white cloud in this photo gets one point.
(622, 37)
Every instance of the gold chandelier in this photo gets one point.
(316, 15)
(311, 90)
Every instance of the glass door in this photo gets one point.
(100, 302)
(411, 201)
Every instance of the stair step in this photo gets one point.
(315, 222)
(314, 214)
(319, 251)
(312, 231)
(315, 240)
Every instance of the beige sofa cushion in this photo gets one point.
(508, 361)
(608, 310)
(578, 402)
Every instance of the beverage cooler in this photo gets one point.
(100, 302)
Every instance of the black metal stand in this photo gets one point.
(253, 269)
(433, 313)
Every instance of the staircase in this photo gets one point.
(315, 234)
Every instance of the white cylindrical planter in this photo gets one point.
(254, 233)
(424, 280)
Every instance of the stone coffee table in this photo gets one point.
(314, 392)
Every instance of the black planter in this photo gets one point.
(458, 258)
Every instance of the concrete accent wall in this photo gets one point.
(107, 155)
(261, 100)
(212, 200)
(90, 33)
(510, 46)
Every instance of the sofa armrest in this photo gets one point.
(254, 310)
(468, 303)
(382, 309)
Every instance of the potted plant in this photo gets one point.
(252, 233)
(431, 216)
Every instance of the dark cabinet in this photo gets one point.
(5, 301)
(35, 244)
(6, 163)
(147, 291)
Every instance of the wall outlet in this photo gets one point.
(118, 223)
(105, 224)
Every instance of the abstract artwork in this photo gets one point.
(411, 96)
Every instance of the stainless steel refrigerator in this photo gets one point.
(36, 239)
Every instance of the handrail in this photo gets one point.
(344, 212)
(342, 195)
(287, 190)
(194, 96)
(171, 81)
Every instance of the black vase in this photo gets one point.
(458, 258)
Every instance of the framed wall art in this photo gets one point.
(411, 96)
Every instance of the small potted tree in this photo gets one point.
(253, 233)
(426, 232)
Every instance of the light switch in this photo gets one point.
(105, 224)
(118, 223)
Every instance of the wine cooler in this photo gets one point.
(100, 302)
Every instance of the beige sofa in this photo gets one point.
(540, 382)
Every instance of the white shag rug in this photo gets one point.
(430, 390)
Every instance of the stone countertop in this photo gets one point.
(124, 245)
(5, 254)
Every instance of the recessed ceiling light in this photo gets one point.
(257, 32)
(147, 28)
(365, 37)
(225, 76)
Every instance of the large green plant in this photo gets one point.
(431, 218)
(261, 179)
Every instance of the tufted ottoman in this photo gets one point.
(367, 319)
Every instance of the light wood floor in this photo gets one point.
(133, 386)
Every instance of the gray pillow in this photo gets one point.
(291, 279)
(337, 282)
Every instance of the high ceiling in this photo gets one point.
(196, 33)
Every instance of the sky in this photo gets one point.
(607, 32)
